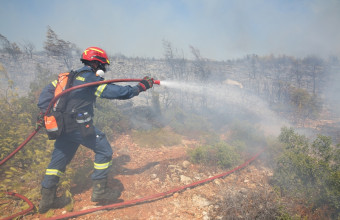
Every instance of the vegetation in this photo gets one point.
(308, 170)
(304, 105)
(12, 49)
(60, 48)
(220, 154)
(242, 139)
(23, 172)
(251, 204)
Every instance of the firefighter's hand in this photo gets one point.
(40, 121)
(145, 84)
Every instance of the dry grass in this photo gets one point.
(156, 138)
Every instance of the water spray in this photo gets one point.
(231, 94)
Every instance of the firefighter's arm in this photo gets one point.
(46, 96)
(112, 91)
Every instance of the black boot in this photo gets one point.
(100, 192)
(49, 200)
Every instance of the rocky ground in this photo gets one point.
(140, 172)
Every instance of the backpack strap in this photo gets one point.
(65, 81)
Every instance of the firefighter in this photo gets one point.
(80, 102)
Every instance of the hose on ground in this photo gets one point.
(158, 195)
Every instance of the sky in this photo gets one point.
(219, 29)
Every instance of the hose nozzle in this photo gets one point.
(158, 82)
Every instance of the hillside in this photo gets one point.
(202, 103)
(271, 80)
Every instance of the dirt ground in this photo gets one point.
(138, 172)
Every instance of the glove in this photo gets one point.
(145, 84)
(40, 121)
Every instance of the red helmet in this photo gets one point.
(95, 53)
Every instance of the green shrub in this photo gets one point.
(220, 154)
(293, 141)
(308, 171)
(321, 147)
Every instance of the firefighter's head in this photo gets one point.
(96, 58)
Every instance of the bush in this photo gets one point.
(308, 171)
(261, 203)
(220, 154)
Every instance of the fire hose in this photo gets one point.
(30, 204)
(158, 195)
(116, 205)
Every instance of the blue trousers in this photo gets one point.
(65, 148)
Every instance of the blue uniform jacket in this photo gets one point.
(85, 97)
